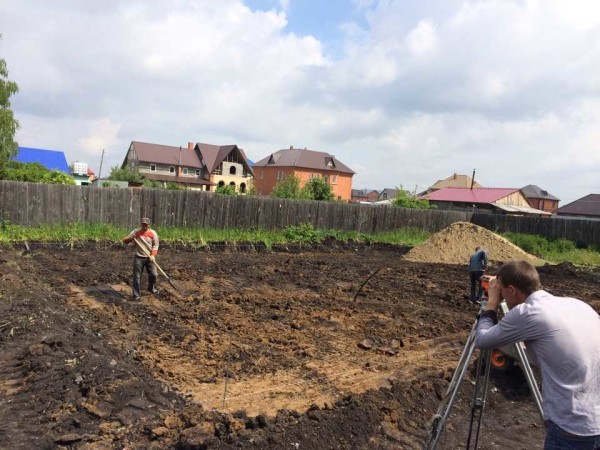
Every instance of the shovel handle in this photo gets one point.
(145, 250)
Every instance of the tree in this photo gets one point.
(289, 187)
(8, 124)
(35, 173)
(125, 174)
(405, 200)
(317, 189)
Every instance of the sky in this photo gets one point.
(404, 92)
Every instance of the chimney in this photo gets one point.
(291, 147)
(190, 145)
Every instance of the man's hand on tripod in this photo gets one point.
(494, 295)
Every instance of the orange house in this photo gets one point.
(304, 164)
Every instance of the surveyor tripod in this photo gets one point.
(482, 376)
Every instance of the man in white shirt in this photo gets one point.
(562, 336)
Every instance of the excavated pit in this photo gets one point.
(257, 350)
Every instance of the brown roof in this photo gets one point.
(166, 154)
(585, 206)
(212, 155)
(533, 191)
(307, 159)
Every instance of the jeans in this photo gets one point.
(475, 277)
(138, 267)
(559, 439)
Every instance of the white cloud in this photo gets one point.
(422, 39)
(420, 90)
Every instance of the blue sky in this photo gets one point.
(404, 92)
(321, 19)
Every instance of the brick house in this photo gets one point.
(304, 164)
(540, 199)
(364, 195)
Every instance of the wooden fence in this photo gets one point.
(583, 232)
(33, 204)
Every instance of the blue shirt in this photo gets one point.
(478, 261)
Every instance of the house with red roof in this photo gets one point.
(492, 200)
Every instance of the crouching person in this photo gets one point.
(562, 336)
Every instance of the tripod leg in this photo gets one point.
(482, 378)
(437, 423)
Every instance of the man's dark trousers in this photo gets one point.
(139, 263)
(476, 291)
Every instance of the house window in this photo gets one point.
(279, 175)
(261, 174)
(243, 188)
(232, 170)
(185, 170)
(198, 172)
(171, 169)
(334, 179)
(152, 167)
(221, 183)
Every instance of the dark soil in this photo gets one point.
(257, 349)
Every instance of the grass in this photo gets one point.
(554, 251)
(197, 237)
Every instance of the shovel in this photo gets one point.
(147, 253)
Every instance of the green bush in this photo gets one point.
(303, 232)
(225, 190)
(35, 173)
(406, 200)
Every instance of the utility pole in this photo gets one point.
(101, 160)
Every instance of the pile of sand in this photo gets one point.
(456, 244)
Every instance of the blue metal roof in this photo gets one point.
(51, 159)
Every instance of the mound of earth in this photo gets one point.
(455, 245)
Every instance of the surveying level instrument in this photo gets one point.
(438, 421)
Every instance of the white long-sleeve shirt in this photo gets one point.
(562, 336)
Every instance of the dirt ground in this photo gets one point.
(285, 349)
